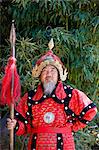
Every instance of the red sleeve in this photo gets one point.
(22, 125)
(84, 109)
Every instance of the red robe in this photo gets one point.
(51, 120)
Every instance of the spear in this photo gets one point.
(12, 41)
(11, 88)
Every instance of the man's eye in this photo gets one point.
(53, 69)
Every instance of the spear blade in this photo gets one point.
(13, 38)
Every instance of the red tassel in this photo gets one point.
(6, 88)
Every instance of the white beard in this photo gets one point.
(48, 87)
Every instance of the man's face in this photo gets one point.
(48, 74)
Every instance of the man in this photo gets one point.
(52, 111)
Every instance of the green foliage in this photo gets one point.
(75, 30)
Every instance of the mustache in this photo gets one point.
(48, 77)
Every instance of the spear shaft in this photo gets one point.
(12, 41)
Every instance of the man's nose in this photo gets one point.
(48, 72)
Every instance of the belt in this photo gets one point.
(51, 130)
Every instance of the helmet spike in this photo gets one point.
(51, 44)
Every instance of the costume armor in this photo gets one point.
(51, 119)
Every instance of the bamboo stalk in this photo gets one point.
(67, 22)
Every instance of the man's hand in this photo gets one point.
(11, 123)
